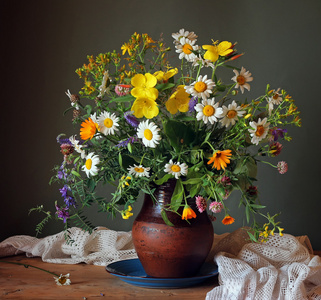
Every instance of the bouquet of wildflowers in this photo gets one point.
(143, 122)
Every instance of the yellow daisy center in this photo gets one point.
(200, 86)
(108, 122)
(231, 114)
(89, 163)
(259, 130)
(62, 280)
(208, 110)
(240, 79)
(175, 168)
(148, 134)
(139, 170)
(187, 49)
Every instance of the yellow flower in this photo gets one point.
(126, 47)
(188, 213)
(280, 231)
(178, 101)
(215, 51)
(220, 159)
(88, 129)
(145, 107)
(164, 76)
(144, 86)
(228, 220)
(127, 213)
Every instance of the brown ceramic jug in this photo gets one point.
(171, 251)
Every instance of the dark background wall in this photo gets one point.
(43, 42)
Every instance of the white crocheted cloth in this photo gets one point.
(283, 268)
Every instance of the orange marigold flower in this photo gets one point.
(220, 159)
(188, 213)
(228, 220)
(88, 129)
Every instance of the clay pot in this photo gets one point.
(171, 251)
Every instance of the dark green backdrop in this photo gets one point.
(43, 42)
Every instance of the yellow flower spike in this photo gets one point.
(280, 231)
(247, 116)
(127, 213)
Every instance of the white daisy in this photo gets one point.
(202, 88)
(177, 169)
(94, 117)
(90, 166)
(231, 113)
(208, 111)
(185, 48)
(78, 148)
(276, 97)
(104, 84)
(182, 33)
(108, 123)
(242, 79)
(63, 279)
(148, 132)
(139, 171)
(259, 131)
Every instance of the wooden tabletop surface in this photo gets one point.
(87, 282)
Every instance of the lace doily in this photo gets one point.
(283, 268)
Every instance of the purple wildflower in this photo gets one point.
(64, 190)
(225, 181)
(201, 204)
(61, 141)
(282, 167)
(62, 213)
(278, 133)
(131, 120)
(192, 102)
(130, 140)
(275, 148)
(70, 201)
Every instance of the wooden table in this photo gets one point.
(87, 282)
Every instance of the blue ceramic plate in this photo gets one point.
(132, 272)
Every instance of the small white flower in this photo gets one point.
(208, 111)
(72, 102)
(276, 97)
(108, 123)
(182, 33)
(139, 171)
(78, 148)
(202, 88)
(259, 131)
(185, 48)
(199, 61)
(231, 113)
(177, 169)
(90, 166)
(148, 132)
(63, 279)
(104, 84)
(242, 79)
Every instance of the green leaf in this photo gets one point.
(194, 190)
(179, 134)
(91, 185)
(126, 98)
(75, 173)
(130, 148)
(165, 218)
(193, 181)
(177, 196)
(164, 86)
(120, 159)
(163, 179)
